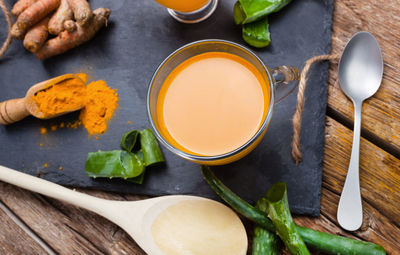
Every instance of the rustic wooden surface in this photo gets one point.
(70, 230)
(381, 113)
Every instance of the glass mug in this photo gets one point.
(189, 11)
(278, 79)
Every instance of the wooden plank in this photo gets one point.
(68, 229)
(381, 114)
(12, 236)
(380, 187)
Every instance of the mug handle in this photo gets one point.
(285, 81)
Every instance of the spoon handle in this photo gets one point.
(53, 190)
(12, 110)
(349, 212)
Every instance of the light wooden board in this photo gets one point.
(381, 113)
(67, 229)
(380, 187)
(13, 240)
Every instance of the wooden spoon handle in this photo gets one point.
(53, 190)
(13, 110)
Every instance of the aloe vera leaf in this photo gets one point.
(246, 11)
(324, 242)
(279, 213)
(104, 164)
(132, 164)
(238, 14)
(138, 179)
(128, 140)
(257, 33)
(151, 150)
(114, 163)
(264, 241)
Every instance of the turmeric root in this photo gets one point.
(65, 40)
(82, 11)
(70, 26)
(20, 6)
(36, 36)
(63, 13)
(32, 15)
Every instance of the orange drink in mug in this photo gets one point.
(189, 11)
(211, 101)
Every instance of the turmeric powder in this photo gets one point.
(101, 102)
(98, 100)
(65, 96)
(83, 77)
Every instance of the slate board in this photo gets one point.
(139, 36)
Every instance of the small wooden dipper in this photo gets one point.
(14, 110)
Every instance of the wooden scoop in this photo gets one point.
(14, 110)
(218, 231)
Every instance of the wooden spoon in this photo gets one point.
(14, 110)
(218, 231)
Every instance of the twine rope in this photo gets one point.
(297, 117)
(7, 42)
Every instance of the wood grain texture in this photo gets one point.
(66, 228)
(381, 113)
(380, 187)
(13, 240)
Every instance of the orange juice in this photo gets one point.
(212, 104)
(183, 5)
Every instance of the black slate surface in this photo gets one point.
(139, 36)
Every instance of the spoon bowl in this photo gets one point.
(361, 67)
(167, 225)
(360, 75)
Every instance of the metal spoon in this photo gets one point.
(137, 217)
(360, 75)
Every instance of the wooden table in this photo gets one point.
(65, 229)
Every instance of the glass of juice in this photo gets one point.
(190, 11)
(211, 101)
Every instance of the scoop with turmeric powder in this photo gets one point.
(62, 95)
(14, 110)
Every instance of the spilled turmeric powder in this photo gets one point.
(101, 102)
(73, 125)
(97, 100)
